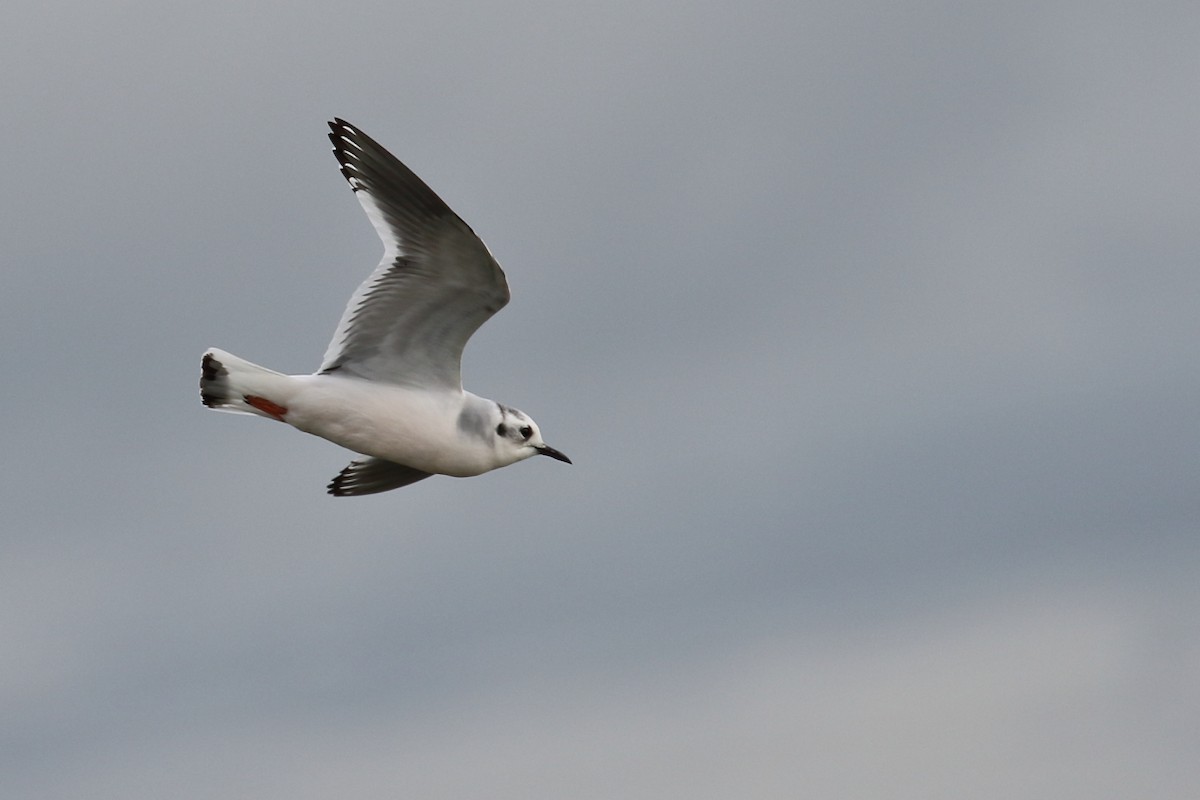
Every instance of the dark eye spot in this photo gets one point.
(526, 431)
(502, 429)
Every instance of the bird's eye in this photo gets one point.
(526, 431)
(502, 429)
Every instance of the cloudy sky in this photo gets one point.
(871, 328)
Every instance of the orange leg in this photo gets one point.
(266, 406)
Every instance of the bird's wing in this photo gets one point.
(371, 475)
(437, 283)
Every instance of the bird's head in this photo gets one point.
(517, 437)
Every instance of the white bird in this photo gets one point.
(390, 386)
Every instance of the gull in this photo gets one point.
(390, 385)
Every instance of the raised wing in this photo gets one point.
(437, 283)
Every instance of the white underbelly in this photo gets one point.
(415, 428)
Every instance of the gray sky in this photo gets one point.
(871, 329)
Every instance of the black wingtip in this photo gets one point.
(339, 128)
(338, 132)
(335, 486)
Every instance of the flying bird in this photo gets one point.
(390, 385)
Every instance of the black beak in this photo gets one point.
(547, 450)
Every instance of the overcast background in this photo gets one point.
(871, 328)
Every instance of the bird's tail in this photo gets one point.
(229, 383)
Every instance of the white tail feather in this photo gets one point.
(227, 382)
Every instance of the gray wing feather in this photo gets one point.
(437, 282)
(372, 475)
